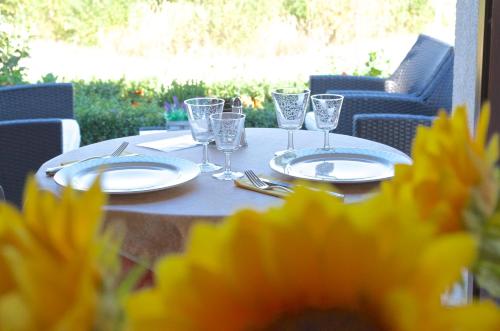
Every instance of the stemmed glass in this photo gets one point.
(199, 111)
(227, 128)
(326, 109)
(291, 105)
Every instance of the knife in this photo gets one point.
(290, 186)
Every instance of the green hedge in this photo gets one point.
(112, 109)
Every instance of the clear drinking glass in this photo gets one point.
(326, 109)
(227, 128)
(291, 105)
(199, 111)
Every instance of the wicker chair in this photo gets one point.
(393, 130)
(33, 121)
(420, 86)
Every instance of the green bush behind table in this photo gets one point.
(111, 109)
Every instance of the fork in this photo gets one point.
(257, 182)
(277, 185)
(52, 171)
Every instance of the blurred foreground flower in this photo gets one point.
(452, 171)
(56, 271)
(312, 262)
(453, 184)
(382, 264)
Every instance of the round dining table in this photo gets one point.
(157, 223)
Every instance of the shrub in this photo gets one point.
(238, 26)
(261, 118)
(112, 109)
(12, 51)
(75, 21)
(101, 119)
(374, 66)
(107, 109)
(175, 111)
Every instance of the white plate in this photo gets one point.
(342, 165)
(129, 174)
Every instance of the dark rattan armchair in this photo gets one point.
(388, 110)
(32, 120)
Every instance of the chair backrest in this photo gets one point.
(427, 61)
(395, 130)
(54, 100)
(24, 146)
(30, 131)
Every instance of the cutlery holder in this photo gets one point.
(238, 108)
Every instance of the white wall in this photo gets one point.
(468, 55)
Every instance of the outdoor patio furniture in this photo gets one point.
(420, 86)
(36, 124)
(393, 130)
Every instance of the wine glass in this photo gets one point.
(291, 105)
(326, 109)
(227, 128)
(199, 111)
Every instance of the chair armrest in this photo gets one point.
(321, 83)
(372, 102)
(395, 130)
(25, 145)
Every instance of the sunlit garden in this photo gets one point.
(129, 59)
(246, 165)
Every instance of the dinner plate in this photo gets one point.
(341, 165)
(129, 174)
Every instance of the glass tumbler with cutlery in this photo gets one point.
(237, 107)
(199, 111)
(290, 104)
(227, 128)
(326, 109)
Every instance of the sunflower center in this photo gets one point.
(323, 320)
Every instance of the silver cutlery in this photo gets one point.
(257, 182)
(290, 186)
(52, 171)
(287, 185)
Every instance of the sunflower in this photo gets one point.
(451, 172)
(312, 263)
(50, 272)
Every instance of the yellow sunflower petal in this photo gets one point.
(261, 268)
(49, 257)
(484, 316)
(14, 315)
(436, 259)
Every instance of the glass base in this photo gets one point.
(326, 149)
(227, 175)
(208, 167)
(283, 152)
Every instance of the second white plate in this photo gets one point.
(129, 174)
(342, 165)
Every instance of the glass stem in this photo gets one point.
(326, 144)
(290, 140)
(205, 153)
(227, 163)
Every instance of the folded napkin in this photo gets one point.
(171, 144)
(275, 191)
